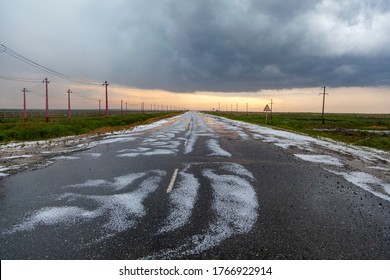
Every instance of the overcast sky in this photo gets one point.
(202, 45)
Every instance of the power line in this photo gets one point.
(85, 97)
(17, 79)
(36, 87)
(37, 93)
(44, 68)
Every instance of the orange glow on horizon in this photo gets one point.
(339, 100)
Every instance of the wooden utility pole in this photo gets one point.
(47, 100)
(24, 104)
(69, 113)
(271, 108)
(323, 104)
(106, 84)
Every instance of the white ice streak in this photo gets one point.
(237, 169)
(190, 143)
(125, 209)
(284, 139)
(113, 139)
(196, 128)
(16, 157)
(94, 155)
(2, 169)
(287, 139)
(324, 159)
(89, 184)
(154, 146)
(52, 216)
(119, 183)
(150, 153)
(234, 127)
(379, 168)
(123, 136)
(367, 182)
(65, 157)
(182, 199)
(130, 132)
(122, 211)
(138, 150)
(216, 149)
(235, 210)
(150, 126)
(235, 206)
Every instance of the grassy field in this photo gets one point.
(37, 129)
(358, 129)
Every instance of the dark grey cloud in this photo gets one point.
(220, 45)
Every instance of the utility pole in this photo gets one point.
(271, 109)
(24, 104)
(323, 104)
(121, 108)
(69, 114)
(47, 100)
(100, 107)
(247, 109)
(106, 84)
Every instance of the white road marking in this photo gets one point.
(173, 179)
(185, 142)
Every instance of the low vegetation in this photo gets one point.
(37, 129)
(370, 130)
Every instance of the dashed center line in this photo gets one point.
(173, 179)
(185, 142)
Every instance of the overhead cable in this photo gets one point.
(18, 79)
(44, 68)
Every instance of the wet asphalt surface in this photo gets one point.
(111, 202)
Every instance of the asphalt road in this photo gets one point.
(193, 188)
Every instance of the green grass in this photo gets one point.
(37, 129)
(349, 128)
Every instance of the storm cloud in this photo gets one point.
(205, 45)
